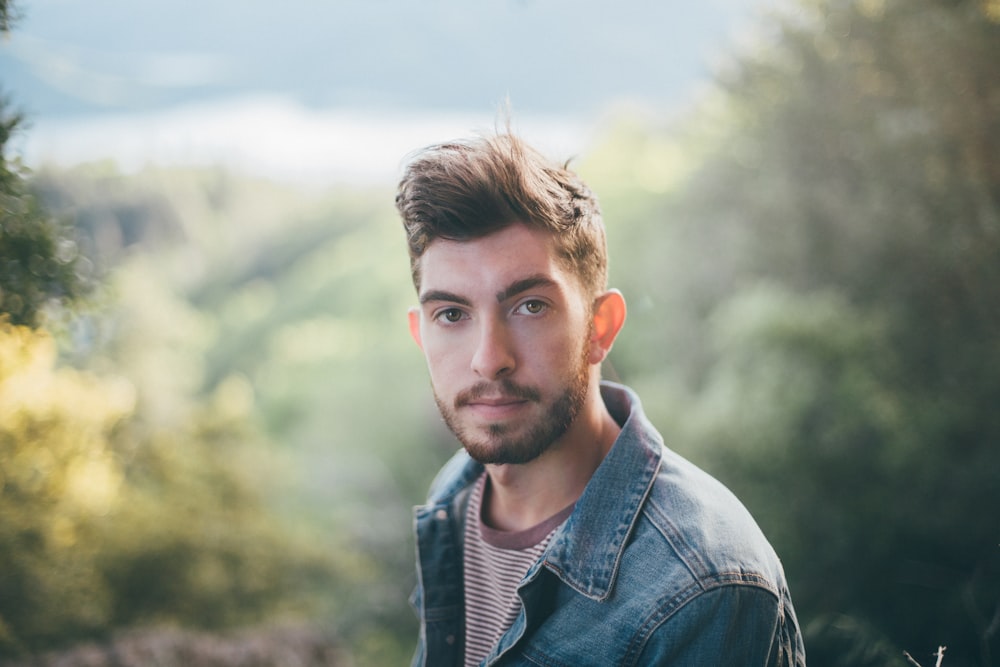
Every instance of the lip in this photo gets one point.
(496, 408)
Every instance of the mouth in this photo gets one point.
(495, 402)
(504, 393)
(496, 409)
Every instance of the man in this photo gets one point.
(565, 533)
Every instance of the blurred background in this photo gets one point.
(213, 423)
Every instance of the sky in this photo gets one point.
(342, 89)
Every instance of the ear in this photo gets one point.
(413, 315)
(609, 317)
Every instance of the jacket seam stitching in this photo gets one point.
(669, 607)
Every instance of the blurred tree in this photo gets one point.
(58, 477)
(105, 526)
(8, 14)
(38, 257)
(118, 511)
(263, 329)
(125, 498)
(838, 239)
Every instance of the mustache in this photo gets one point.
(504, 388)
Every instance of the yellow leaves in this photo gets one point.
(25, 353)
(93, 482)
(31, 384)
(54, 427)
(991, 10)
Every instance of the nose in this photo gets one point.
(494, 355)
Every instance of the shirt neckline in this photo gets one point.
(515, 539)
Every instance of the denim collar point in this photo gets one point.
(588, 561)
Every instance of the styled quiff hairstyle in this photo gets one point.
(468, 189)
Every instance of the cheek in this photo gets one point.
(560, 353)
(444, 360)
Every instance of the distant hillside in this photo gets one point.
(550, 56)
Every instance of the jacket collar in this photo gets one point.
(587, 550)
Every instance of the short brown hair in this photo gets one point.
(468, 189)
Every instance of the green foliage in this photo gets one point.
(38, 257)
(263, 331)
(39, 264)
(820, 286)
(109, 523)
(8, 15)
(58, 477)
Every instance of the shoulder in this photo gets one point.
(707, 574)
(705, 527)
(685, 516)
(725, 625)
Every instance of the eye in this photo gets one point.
(532, 307)
(450, 315)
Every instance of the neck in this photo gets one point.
(523, 495)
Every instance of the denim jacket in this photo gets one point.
(659, 564)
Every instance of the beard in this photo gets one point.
(517, 442)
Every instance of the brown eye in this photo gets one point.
(451, 315)
(533, 307)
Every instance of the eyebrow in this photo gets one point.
(512, 290)
(523, 285)
(442, 295)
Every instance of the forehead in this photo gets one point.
(491, 262)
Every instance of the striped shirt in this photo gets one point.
(495, 563)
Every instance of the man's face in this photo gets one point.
(506, 332)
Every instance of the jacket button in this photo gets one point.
(450, 639)
(441, 515)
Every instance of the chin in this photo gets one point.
(508, 451)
